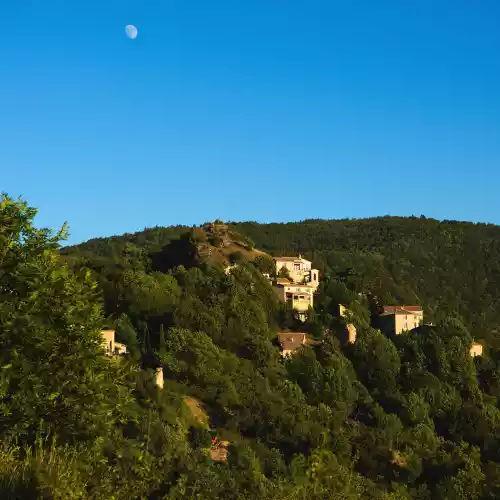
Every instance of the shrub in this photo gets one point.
(237, 257)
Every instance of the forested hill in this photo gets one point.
(451, 268)
(379, 416)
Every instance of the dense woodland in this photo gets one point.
(392, 418)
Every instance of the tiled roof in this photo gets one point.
(291, 259)
(406, 308)
(402, 312)
(291, 340)
(403, 309)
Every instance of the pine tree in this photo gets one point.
(162, 340)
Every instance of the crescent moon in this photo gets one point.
(131, 31)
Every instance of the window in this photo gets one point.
(296, 267)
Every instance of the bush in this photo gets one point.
(237, 257)
(284, 273)
(216, 241)
(265, 264)
(199, 437)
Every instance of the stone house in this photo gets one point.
(299, 297)
(159, 377)
(351, 329)
(290, 342)
(397, 319)
(299, 269)
(110, 346)
(476, 349)
(351, 333)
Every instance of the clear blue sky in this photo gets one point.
(268, 110)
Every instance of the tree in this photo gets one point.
(162, 345)
(237, 257)
(150, 294)
(265, 264)
(126, 334)
(250, 244)
(53, 374)
(376, 361)
(467, 479)
(283, 273)
(216, 241)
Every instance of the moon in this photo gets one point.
(131, 31)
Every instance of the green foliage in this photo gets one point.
(284, 273)
(126, 334)
(52, 377)
(405, 417)
(216, 241)
(376, 361)
(265, 264)
(41, 472)
(150, 294)
(200, 437)
(250, 244)
(237, 257)
(449, 267)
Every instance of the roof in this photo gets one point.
(291, 340)
(477, 344)
(297, 334)
(399, 312)
(291, 259)
(405, 308)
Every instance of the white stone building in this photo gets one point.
(299, 269)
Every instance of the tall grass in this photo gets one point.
(44, 471)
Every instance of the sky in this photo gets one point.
(265, 110)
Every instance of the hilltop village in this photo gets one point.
(296, 282)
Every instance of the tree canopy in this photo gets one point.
(411, 416)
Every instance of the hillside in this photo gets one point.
(348, 413)
(451, 268)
